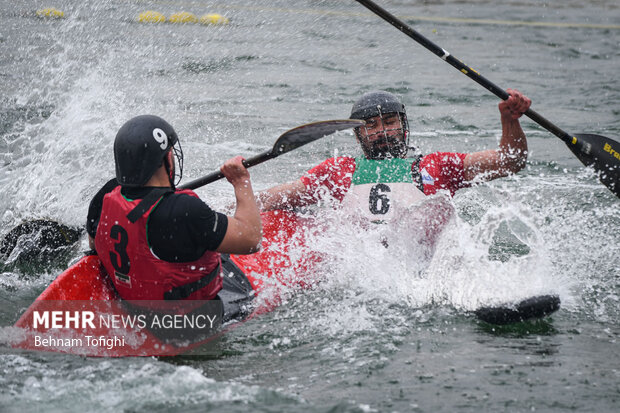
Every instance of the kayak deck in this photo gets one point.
(86, 288)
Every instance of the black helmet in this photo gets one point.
(374, 104)
(381, 103)
(140, 147)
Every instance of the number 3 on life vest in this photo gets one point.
(378, 202)
(119, 257)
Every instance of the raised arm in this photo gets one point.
(244, 232)
(511, 155)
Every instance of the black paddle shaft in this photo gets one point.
(289, 140)
(597, 151)
(462, 67)
(217, 175)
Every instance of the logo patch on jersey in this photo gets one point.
(125, 279)
(427, 179)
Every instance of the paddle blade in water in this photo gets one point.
(601, 153)
(531, 308)
(310, 132)
(29, 238)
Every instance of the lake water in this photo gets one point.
(382, 331)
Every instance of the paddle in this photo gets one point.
(56, 235)
(289, 140)
(531, 308)
(37, 244)
(599, 152)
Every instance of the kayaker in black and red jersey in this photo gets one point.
(385, 176)
(157, 242)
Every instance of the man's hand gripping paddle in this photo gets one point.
(599, 152)
(57, 235)
(289, 140)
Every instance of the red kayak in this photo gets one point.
(80, 312)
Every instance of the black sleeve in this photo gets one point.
(94, 209)
(182, 228)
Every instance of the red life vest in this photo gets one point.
(136, 272)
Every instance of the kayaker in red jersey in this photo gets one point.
(157, 242)
(385, 176)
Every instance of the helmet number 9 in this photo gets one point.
(378, 202)
(161, 138)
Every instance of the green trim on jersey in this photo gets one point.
(373, 171)
(127, 199)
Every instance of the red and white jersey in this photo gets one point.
(437, 171)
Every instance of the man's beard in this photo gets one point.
(385, 147)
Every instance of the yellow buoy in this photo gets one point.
(213, 19)
(151, 16)
(50, 12)
(183, 17)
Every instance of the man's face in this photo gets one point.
(383, 136)
(380, 126)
